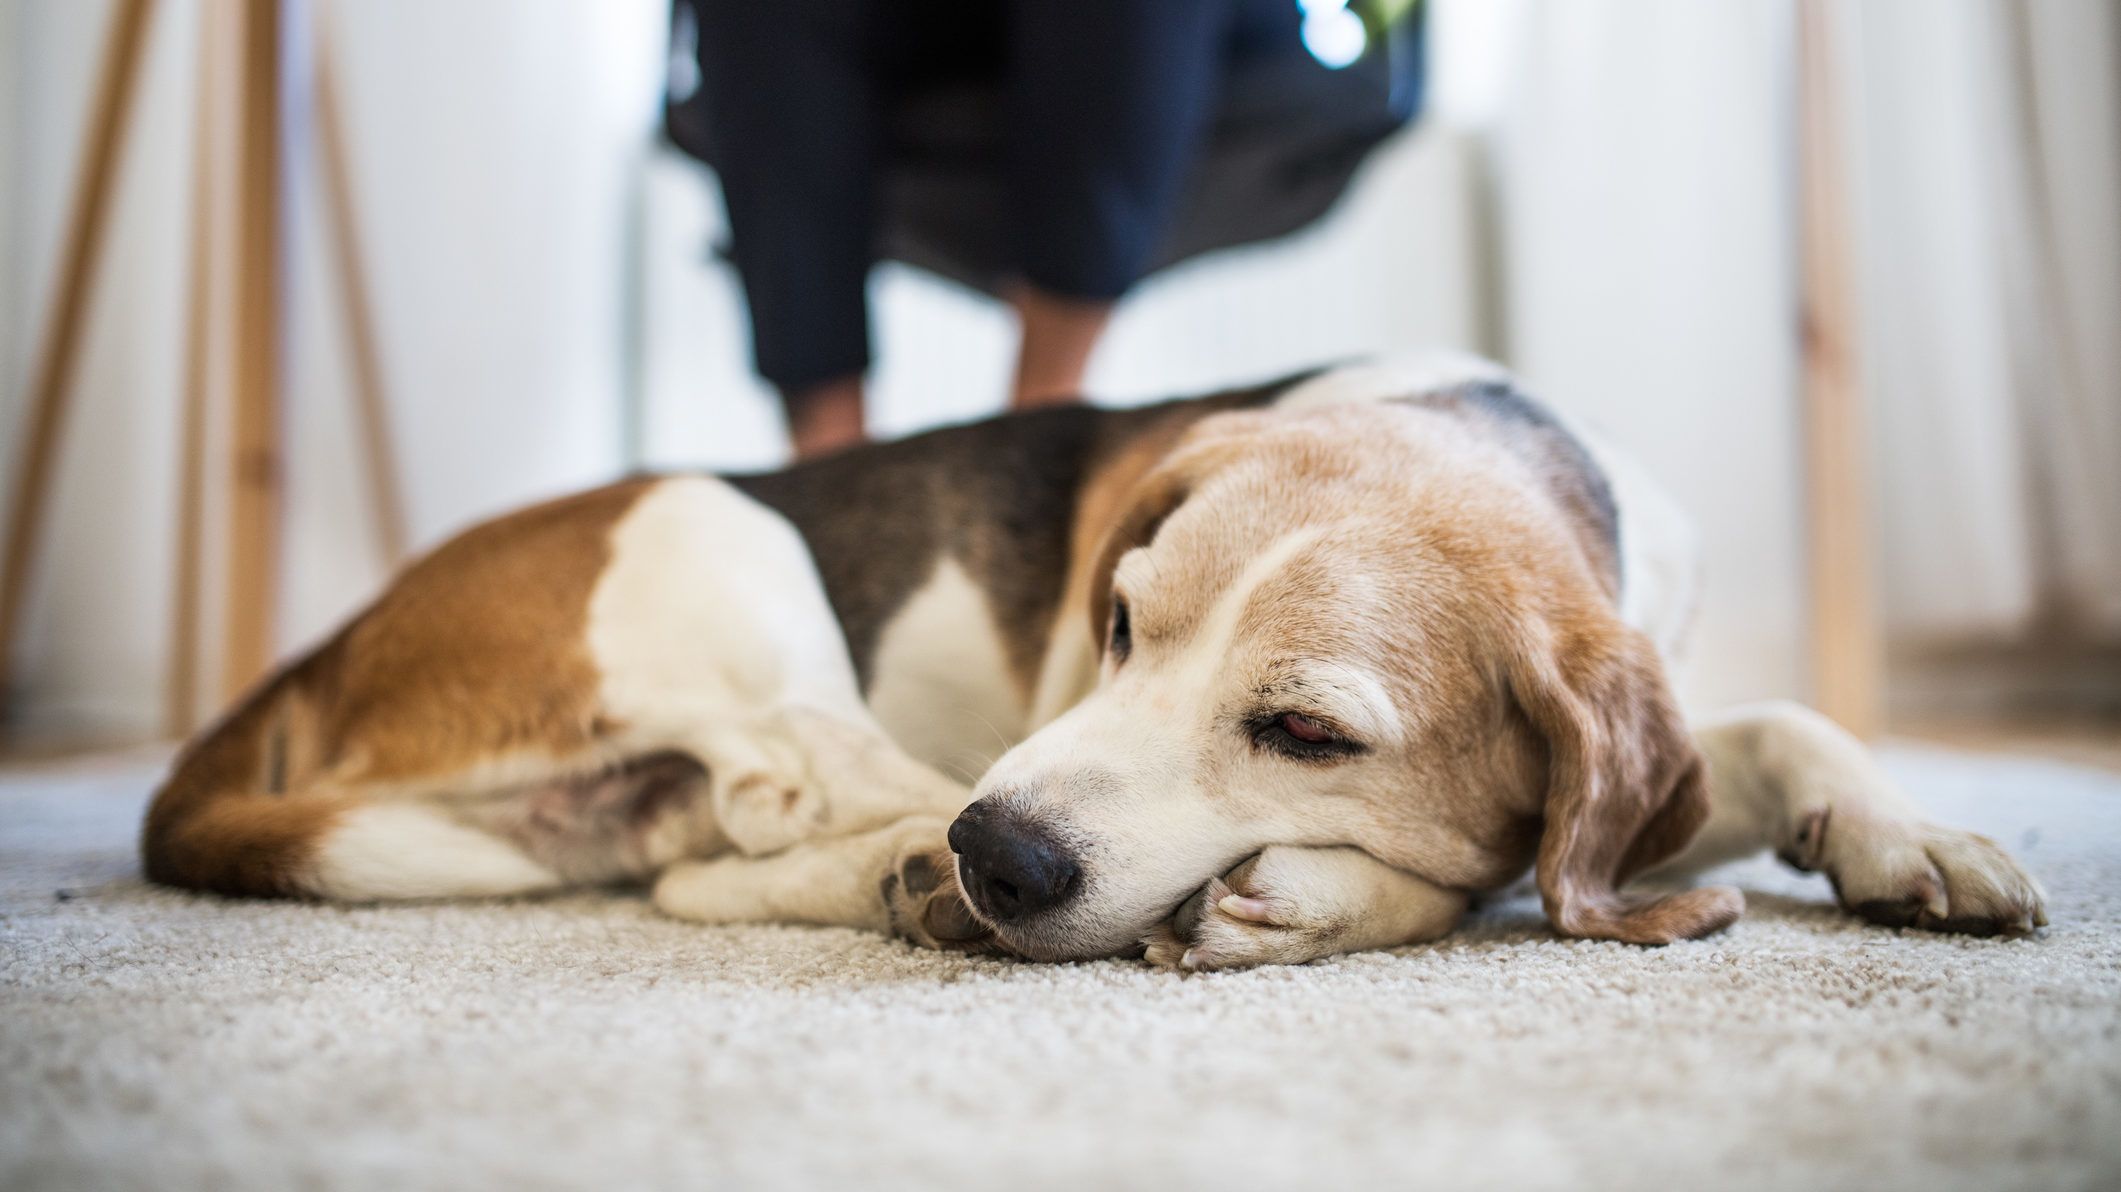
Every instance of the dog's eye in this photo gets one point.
(1305, 729)
(1122, 637)
(1306, 738)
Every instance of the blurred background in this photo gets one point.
(1607, 196)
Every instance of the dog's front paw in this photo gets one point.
(927, 907)
(1903, 873)
(1242, 919)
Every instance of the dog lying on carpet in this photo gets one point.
(1280, 673)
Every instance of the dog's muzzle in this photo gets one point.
(1010, 866)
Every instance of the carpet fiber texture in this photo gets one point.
(151, 1039)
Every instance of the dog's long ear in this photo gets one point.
(1625, 785)
(1153, 498)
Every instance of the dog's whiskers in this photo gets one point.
(998, 737)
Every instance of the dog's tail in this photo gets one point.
(252, 808)
(235, 816)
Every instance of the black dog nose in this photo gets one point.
(1011, 866)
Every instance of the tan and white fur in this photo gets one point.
(582, 693)
(652, 682)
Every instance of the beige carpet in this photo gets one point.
(154, 1040)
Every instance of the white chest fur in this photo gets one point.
(941, 684)
(710, 609)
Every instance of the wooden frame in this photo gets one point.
(255, 463)
(1847, 652)
(89, 220)
(254, 36)
(371, 405)
(181, 685)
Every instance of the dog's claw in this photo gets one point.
(1162, 947)
(1251, 910)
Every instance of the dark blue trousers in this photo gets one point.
(1105, 103)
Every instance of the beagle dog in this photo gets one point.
(1250, 678)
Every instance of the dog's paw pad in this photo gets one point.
(919, 873)
(1808, 843)
(926, 907)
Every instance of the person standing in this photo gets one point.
(1104, 107)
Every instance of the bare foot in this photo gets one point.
(825, 418)
(1059, 335)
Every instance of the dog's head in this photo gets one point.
(1383, 626)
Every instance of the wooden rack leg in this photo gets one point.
(370, 399)
(1847, 658)
(255, 454)
(180, 714)
(83, 248)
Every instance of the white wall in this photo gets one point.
(95, 620)
(496, 147)
(1989, 209)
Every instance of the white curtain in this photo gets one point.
(1643, 158)
(1988, 164)
(1644, 225)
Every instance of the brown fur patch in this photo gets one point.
(476, 652)
(1128, 501)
